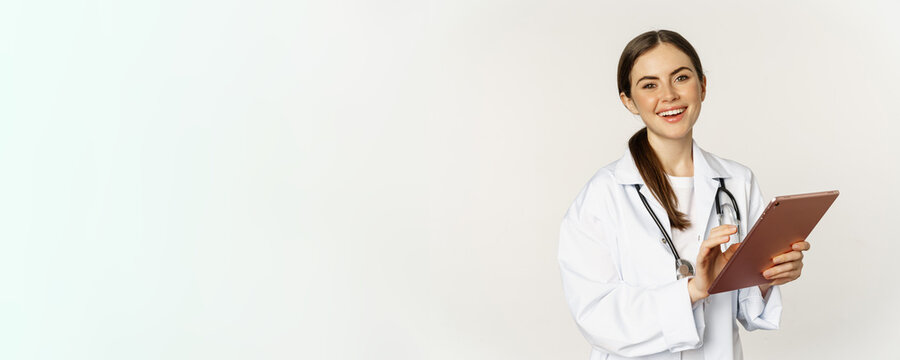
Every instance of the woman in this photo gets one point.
(617, 265)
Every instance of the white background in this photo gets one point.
(385, 179)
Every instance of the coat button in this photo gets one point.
(663, 240)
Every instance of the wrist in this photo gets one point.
(696, 294)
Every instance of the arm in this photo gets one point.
(617, 317)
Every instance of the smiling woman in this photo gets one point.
(615, 254)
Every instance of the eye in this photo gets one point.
(649, 86)
(682, 76)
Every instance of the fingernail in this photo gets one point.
(766, 274)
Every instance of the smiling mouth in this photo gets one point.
(673, 112)
(673, 116)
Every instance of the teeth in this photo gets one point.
(672, 112)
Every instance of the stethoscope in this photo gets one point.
(683, 268)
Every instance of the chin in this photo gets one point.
(680, 136)
(671, 133)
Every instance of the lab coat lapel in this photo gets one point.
(626, 173)
(706, 172)
(657, 209)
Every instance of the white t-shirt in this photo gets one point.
(687, 241)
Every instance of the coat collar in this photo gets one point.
(706, 166)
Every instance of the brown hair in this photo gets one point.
(645, 158)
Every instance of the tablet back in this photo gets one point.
(786, 220)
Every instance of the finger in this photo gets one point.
(710, 249)
(791, 275)
(731, 250)
(785, 279)
(801, 246)
(717, 234)
(778, 269)
(723, 230)
(707, 245)
(791, 256)
(780, 281)
(705, 255)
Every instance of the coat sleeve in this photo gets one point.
(754, 311)
(614, 316)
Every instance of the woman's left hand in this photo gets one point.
(787, 266)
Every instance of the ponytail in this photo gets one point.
(654, 176)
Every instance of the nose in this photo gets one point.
(668, 93)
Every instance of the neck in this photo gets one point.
(676, 155)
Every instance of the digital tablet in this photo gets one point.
(785, 221)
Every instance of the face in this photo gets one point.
(662, 80)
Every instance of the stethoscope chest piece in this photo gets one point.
(684, 269)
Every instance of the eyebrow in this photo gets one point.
(656, 78)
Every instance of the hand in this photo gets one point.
(711, 260)
(786, 266)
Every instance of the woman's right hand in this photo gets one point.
(711, 260)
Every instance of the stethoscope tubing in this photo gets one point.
(737, 212)
(658, 223)
(662, 229)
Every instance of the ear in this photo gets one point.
(703, 89)
(629, 104)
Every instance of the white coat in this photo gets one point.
(619, 277)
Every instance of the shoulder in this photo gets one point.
(604, 181)
(597, 197)
(605, 177)
(733, 168)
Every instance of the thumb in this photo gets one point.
(731, 250)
